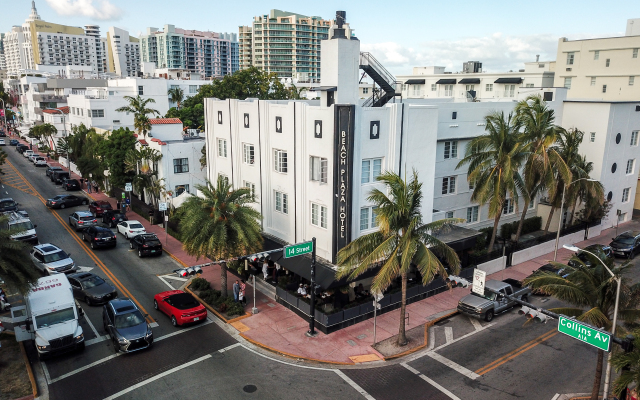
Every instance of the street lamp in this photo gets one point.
(64, 134)
(564, 189)
(607, 375)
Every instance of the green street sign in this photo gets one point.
(298, 249)
(584, 333)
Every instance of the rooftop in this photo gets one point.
(160, 121)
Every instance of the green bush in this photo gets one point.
(210, 296)
(235, 309)
(200, 284)
(528, 225)
(222, 307)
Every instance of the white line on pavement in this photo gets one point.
(455, 366)
(154, 325)
(229, 348)
(177, 278)
(430, 349)
(45, 370)
(93, 328)
(96, 340)
(448, 334)
(207, 322)
(430, 381)
(556, 396)
(167, 283)
(354, 385)
(462, 337)
(476, 324)
(155, 378)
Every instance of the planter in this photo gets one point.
(304, 307)
(414, 291)
(281, 293)
(386, 300)
(332, 319)
(396, 298)
(351, 313)
(292, 299)
(366, 308)
(320, 317)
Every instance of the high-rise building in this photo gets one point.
(100, 44)
(123, 52)
(3, 63)
(210, 54)
(39, 42)
(285, 43)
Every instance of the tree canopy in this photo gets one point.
(114, 151)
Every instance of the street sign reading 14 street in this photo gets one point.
(587, 334)
(298, 249)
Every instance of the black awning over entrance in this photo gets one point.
(470, 80)
(415, 82)
(508, 80)
(446, 82)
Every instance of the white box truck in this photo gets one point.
(50, 317)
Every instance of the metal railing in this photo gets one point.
(368, 59)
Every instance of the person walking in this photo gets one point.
(88, 186)
(265, 270)
(243, 296)
(95, 186)
(236, 291)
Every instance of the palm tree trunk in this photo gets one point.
(223, 279)
(496, 220)
(524, 214)
(546, 228)
(402, 335)
(596, 382)
(573, 210)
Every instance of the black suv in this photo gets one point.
(146, 244)
(59, 176)
(113, 218)
(97, 236)
(49, 171)
(21, 148)
(626, 244)
(7, 205)
(71, 184)
(66, 200)
(603, 252)
(126, 325)
(91, 288)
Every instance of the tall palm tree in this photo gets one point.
(221, 224)
(582, 191)
(176, 95)
(591, 292)
(47, 131)
(543, 161)
(402, 240)
(629, 360)
(494, 161)
(138, 107)
(16, 268)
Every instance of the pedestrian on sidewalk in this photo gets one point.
(128, 200)
(276, 272)
(95, 186)
(236, 291)
(81, 183)
(243, 296)
(88, 186)
(265, 270)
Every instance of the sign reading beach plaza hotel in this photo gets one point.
(343, 171)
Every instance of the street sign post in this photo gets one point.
(577, 330)
(162, 206)
(128, 187)
(479, 277)
(298, 249)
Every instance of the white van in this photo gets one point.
(50, 317)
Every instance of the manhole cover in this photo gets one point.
(351, 342)
(250, 388)
(446, 321)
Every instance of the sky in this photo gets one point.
(401, 34)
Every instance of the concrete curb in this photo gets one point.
(175, 258)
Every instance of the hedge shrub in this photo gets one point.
(200, 284)
(529, 225)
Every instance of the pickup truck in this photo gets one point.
(490, 304)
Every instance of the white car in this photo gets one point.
(34, 157)
(2, 142)
(40, 162)
(130, 229)
(27, 153)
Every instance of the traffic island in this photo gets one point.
(15, 382)
(224, 309)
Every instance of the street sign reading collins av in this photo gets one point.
(298, 249)
(584, 333)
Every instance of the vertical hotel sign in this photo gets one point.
(343, 173)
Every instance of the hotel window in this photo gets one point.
(529, 85)
(472, 214)
(280, 161)
(318, 169)
(225, 178)
(596, 55)
(507, 208)
(365, 90)
(635, 53)
(472, 184)
(470, 87)
(625, 195)
(567, 83)
(449, 185)
(532, 204)
(604, 88)
(451, 149)
(593, 81)
(631, 80)
(140, 90)
(593, 137)
(606, 64)
(489, 87)
(509, 90)
(433, 87)
(193, 89)
(222, 148)
(448, 214)
(634, 138)
(448, 90)
(367, 218)
(282, 202)
(248, 154)
(318, 215)
(630, 165)
(180, 165)
(371, 169)
(97, 113)
(570, 57)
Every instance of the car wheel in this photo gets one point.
(174, 322)
(84, 202)
(140, 253)
(93, 246)
(488, 316)
(131, 245)
(126, 235)
(62, 205)
(88, 301)
(155, 304)
(84, 238)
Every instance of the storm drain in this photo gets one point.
(250, 388)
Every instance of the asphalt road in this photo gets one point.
(467, 359)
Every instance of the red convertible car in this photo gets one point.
(181, 307)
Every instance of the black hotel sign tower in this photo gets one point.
(343, 175)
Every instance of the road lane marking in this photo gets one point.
(233, 346)
(516, 352)
(453, 365)
(354, 385)
(207, 322)
(448, 334)
(476, 324)
(159, 376)
(90, 253)
(93, 328)
(154, 324)
(96, 340)
(430, 381)
(177, 278)
(167, 283)
(45, 370)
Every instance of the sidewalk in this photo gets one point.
(281, 330)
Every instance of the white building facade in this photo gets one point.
(123, 53)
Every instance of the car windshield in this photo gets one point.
(89, 218)
(152, 242)
(183, 301)
(56, 317)
(487, 295)
(624, 240)
(136, 226)
(7, 203)
(128, 320)
(22, 226)
(57, 256)
(92, 282)
(104, 234)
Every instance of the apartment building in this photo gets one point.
(123, 53)
(3, 62)
(210, 54)
(285, 43)
(101, 47)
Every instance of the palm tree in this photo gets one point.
(47, 131)
(138, 107)
(628, 365)
(401, 241)
(591, 291)
(16, 268)
(494, 161)
(221, 224)
(176, 95)
(582, 191)
(142, 163)
(543, 161)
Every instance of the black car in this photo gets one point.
(71, 184)
(13, 142)
(98, 236)
(602, 251)
(91, 288)
(59, 176)
(626, 244)
(113, 218)
(126, 325)
(146, 244)
(51, 170)
(7, 205)
(66, 200)
(2, 134)
(21, 148)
